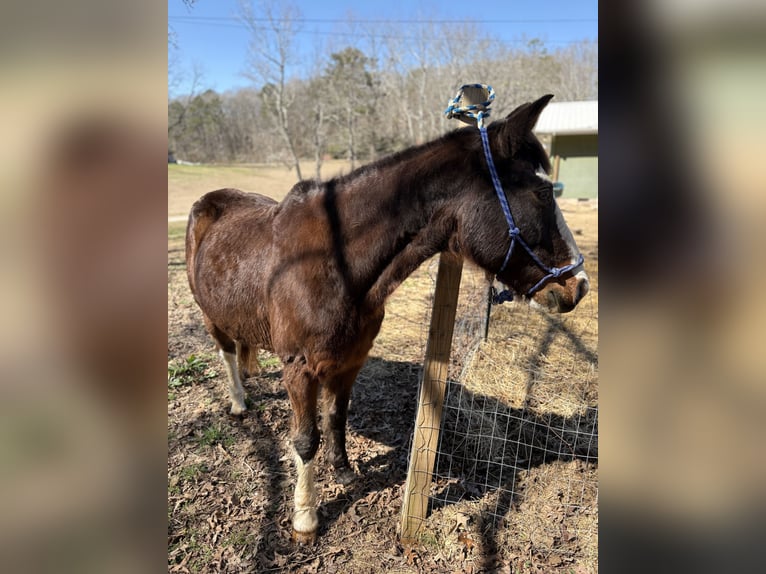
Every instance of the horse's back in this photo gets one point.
(223, 212)
(227, 202)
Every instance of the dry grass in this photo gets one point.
(519, 446)
(541, 362)
(187, 183)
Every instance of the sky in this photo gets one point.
(208, 37)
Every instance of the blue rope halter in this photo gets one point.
(476, 113)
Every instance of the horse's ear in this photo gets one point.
(518, 126)
(523, 119)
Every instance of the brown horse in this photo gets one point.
(308, 278)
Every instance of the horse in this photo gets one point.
(307, 278)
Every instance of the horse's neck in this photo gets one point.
(394, 230)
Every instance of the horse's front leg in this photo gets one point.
(302, 388)
(335, 398)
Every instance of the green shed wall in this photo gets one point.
(578, 169)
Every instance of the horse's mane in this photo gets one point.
(466, 141)
(404, 155)
(463, 140)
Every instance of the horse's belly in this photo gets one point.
(234, 296)
(329, 340)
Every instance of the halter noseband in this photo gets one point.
(475, 114)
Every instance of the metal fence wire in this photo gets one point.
(516, 462)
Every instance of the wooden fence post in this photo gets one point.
(428, 421)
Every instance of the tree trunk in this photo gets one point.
(318, 140)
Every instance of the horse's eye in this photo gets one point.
(545, 190)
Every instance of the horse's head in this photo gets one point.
(530, 249)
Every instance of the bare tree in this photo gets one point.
(374, 120)
(185, 100)
(175, 68)
(370, 89)
(316, 106)
(416, 54)
(272, 51)
(579, 70)
(351, 81)
(242, 116)
(314, 103)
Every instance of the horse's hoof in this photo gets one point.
(238, 410)
(305, 538)
(344, 476)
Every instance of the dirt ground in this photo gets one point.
(230, 480)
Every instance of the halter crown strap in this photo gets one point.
(471, 104)
(479, 98)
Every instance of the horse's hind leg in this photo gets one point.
(247, 361)
(227, 348)
(335, 397)
(236, 390)
(302, 388)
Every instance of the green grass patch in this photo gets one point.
(194, 368)
(176, 230)
(215, 434)
(201, 553)
(187, 474)
(239, 539)
(260, 407)
(272, 361)
(192, 472)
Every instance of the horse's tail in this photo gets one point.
(205, 211)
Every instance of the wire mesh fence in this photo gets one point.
(516, 462)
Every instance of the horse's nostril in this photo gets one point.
(582, 289)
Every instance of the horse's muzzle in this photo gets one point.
(562, 298)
